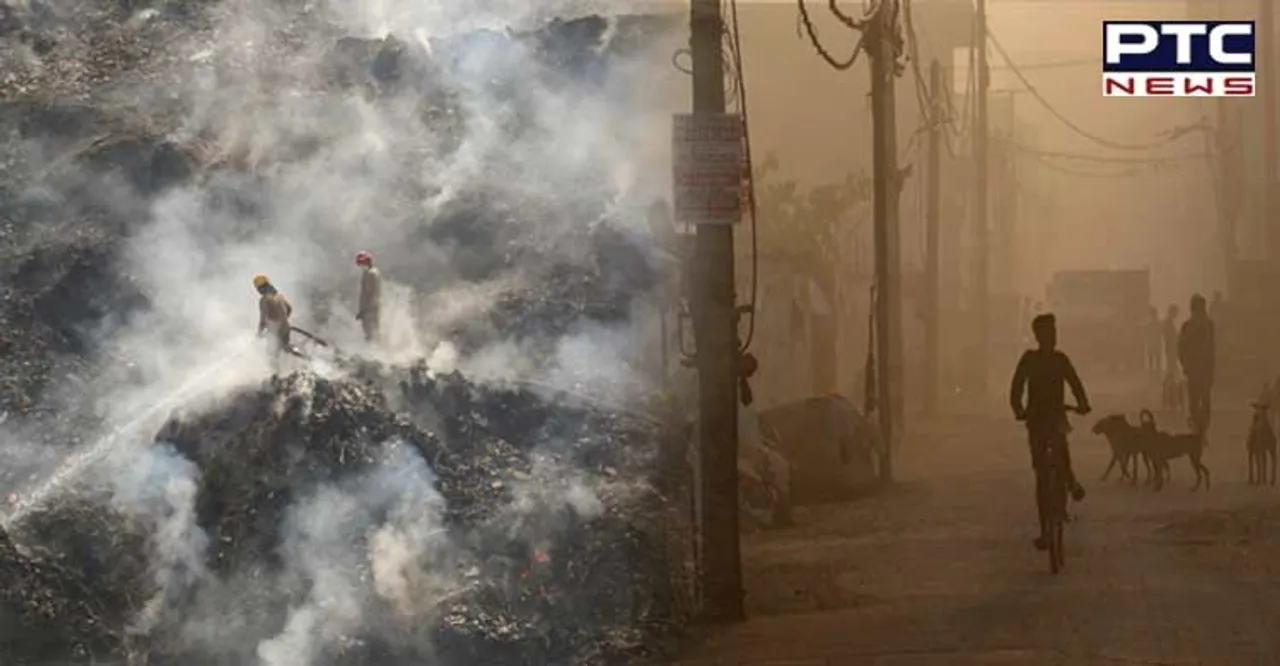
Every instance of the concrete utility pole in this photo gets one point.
(933, 210)
(887, 182)
(1267, 89)
(1001, 208)
(716, 335)
(982, 245)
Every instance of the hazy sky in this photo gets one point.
(818, 121)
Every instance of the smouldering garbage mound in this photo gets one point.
(305, 522)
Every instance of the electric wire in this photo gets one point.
(859, 25)
(924, 97)
(731, 83)
(1130, 172)
(956, 131)
(740, 77)
(1107, 159)
(936, 112)
(812, 32)
(1057, 64)
(1072, 125)
(736, 94)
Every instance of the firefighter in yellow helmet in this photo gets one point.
(273, 314)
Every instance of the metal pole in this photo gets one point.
(716, 335)
(982, 246)
(887, 184)
(1001, 203)
(1271, 143)
(933, 205)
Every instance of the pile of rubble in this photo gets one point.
(552, 543)
(543, 518)
(68, 593)
(82, 162)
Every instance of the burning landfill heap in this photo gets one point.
(468, 543)
(388, 513)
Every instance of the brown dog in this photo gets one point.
(1126, 442)
(1261, 446)
(1163, 447)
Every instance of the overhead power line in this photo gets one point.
(955, 131)
(1102, 141)
(935, 111)
(1057, 64)
(855, 24)
(923, 98)
(1129, 172)
(733, 38)
(1106, 159)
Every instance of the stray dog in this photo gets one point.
(1126, 441)
(1261, 446)
(1163, 447)
(1149, 437)
(1174, 397)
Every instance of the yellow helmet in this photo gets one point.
(260, 281)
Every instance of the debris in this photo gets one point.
(531, 481)
(561, 544)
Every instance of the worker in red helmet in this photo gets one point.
(369, 313)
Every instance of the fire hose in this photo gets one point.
(312, 336)
(316, 339)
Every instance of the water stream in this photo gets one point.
(78, 462)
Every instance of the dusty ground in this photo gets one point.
(940, 569)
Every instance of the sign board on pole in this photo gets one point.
(707, 161)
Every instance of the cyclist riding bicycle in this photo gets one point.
(1042, 373)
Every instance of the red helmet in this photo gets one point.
(363, 257)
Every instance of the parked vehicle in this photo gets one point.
(1105, 316)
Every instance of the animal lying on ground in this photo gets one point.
(1161, 447)
(1261, 446)
(1126, 442)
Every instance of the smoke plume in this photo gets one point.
(469, 175)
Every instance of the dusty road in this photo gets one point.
(940, 569)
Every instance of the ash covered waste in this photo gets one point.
(323, 527)
(366, 514)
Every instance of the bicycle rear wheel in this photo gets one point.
(1057, 498)
(1056, 549)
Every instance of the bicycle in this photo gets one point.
(1052, 498)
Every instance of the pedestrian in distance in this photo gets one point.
(1155, 346)
(1197, 351)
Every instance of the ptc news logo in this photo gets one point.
(1178, 59)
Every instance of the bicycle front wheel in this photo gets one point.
(1057, 498)
(1056, 552)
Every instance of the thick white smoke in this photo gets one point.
(380, 538)
(318, 172)
(160, 486)
(331, 172)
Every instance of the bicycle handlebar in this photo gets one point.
(1073, 409)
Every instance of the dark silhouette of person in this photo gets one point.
(1170, 332)
(1197, 353)
(1155, 345)
(1220, 315)
(1044, 373)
